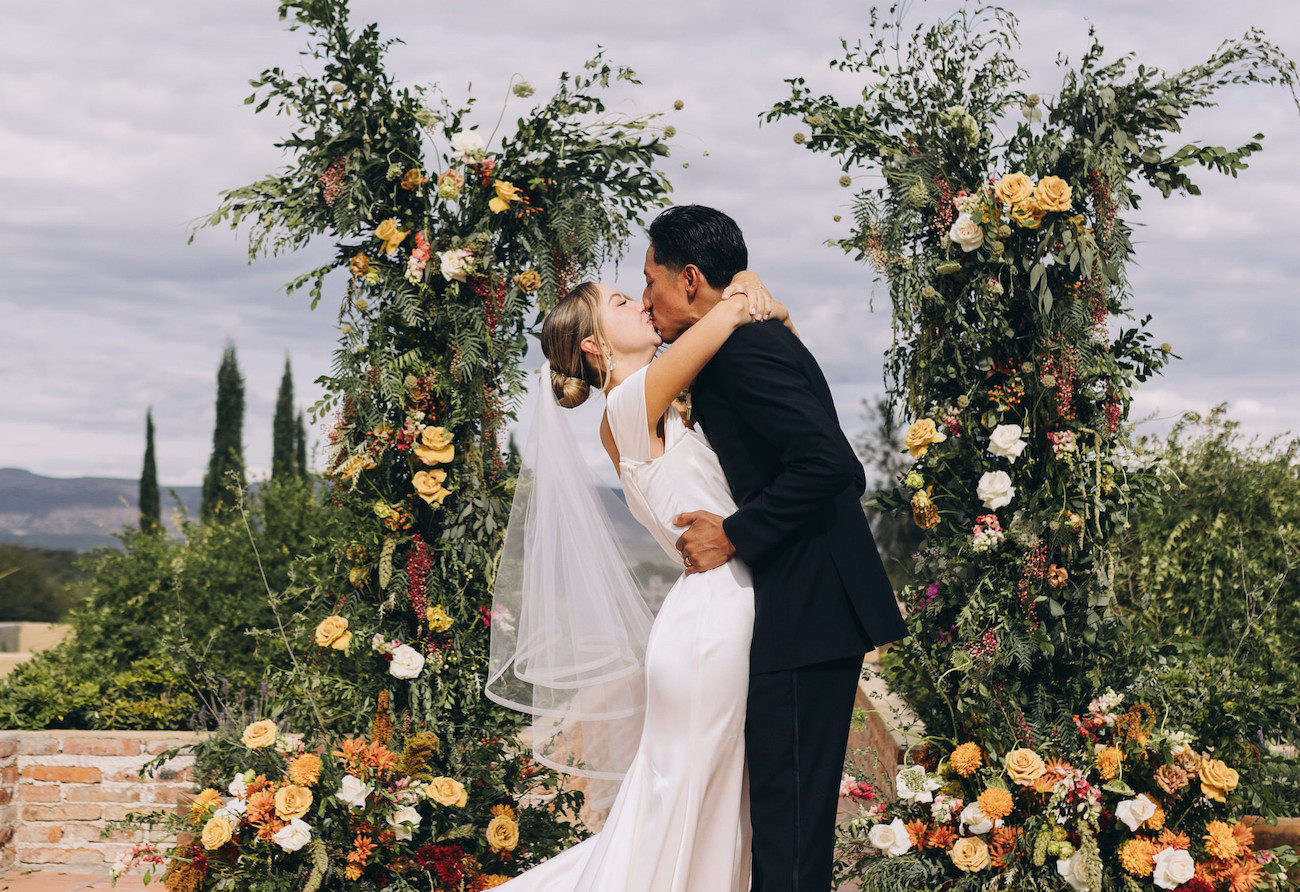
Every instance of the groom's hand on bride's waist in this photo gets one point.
(704, 545)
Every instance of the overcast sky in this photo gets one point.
(120, 124)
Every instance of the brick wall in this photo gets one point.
(59, 790)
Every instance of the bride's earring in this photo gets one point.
(609, 362)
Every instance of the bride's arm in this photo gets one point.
(675, 368)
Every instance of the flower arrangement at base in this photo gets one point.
(355, 815)
(1128, 807)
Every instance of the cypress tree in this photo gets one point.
(150, 503)
(284, 433)
(301, 446)
(227, 438)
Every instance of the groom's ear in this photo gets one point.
(692, 278)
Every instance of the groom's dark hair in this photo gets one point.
(707, 238)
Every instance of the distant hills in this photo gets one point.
(76, 513)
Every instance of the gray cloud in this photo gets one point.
(122, 124)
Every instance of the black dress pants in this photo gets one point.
(796, 735)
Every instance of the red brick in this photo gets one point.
(8, 747)
(93, 833)
(63, 774)
(99, 746)
(9, 774)
(119, 812)
(5, 796)
(44, 833)
(162, 746)
(102, 792)
(169, 794)
(38, 793)
(62, 812)
(34, 745)
(123, 777)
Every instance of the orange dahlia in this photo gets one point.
(305, 770)
(966, 759)
(1137, 856)
(1219, 840)
(996, 803)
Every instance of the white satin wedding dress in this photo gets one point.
(680, 822)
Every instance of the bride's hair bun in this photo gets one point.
(570, 392)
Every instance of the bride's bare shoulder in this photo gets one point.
(607, 439)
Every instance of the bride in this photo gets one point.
(615, 692)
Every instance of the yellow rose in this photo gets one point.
(503, 833)
(437, 618)
(216, 832)
(1052, 194)
(1024, 766)
(1013, 188)
(528, 281)
(970, 854)
(259, 734)
(342, 642)
(292, 802)
(428, 486)
(1217, 779)
(920, 435)
(434, 446)
(1027, 214)
(330, 630)
(447, 791)
(388, 233)
(506, 193)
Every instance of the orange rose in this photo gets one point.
(388, 233)
(434, 446)
(359, 265)
(503, 833)
(428, 486)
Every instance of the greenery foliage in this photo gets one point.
(288, 437)
(38, 584)
(161, 641)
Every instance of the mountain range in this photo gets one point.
(78, 513)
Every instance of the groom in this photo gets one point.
(822, 599)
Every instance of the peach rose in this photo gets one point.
(388, 233)
(503, 833)
(330, 630)
(920, 435)
(216, 832)
(1052, 194)
(1013, 188)
(292, 802)
(428, 486)
(434, 446)
(447, 791)
(970, 854)
(259, 735)
(1024, 766)
(1027, 214)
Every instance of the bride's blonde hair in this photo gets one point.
(571, 321)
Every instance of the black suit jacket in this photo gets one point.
(820, 589)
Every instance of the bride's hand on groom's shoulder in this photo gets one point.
(762, 305)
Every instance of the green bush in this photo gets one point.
(162, 639)
(38, 584)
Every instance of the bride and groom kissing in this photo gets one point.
(743, 682)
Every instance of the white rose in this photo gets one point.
(239, 784)
(967, 233)
(293, 835)
(1135, 812)
(913, 785)
(891, 838)
(1074, 872)
(404, 821)
(1173, 868)
(453, 264)
(1005, 441)
(974, 819)
(407, 662)
(353, 792)
(233, 811)
(995, 489)
(468, 143)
